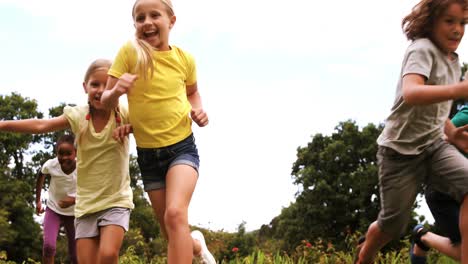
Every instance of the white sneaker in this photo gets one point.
(205, 255)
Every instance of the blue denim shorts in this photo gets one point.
(155, 162)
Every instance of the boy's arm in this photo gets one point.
(39, 183)
(35, 126)
(416, 92)
(197, 113)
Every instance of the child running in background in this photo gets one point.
(446, 212)
(104, 197)
(60, 204)
(411, 149)
(163, 101)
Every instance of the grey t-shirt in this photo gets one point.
(409, 129)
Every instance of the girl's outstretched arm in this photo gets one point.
(115, 88)
(416, 92)
(198, 114)
(35, 126)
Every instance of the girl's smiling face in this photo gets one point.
(153, 20)
(95, 86)
(66, 154)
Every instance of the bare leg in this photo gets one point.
(87, 250)
(196, 248)
(441, 244)
(110, 242)
(375, 240)
(417, 251)
(171, 209)
(464, 230)
(181, 181)
(158, 202)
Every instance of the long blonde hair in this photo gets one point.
(99, 64)
(145, 65)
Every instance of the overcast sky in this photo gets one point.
(271, 74)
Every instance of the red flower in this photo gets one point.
(308, 245)
(235, 249)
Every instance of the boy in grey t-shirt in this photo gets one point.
(411, 149)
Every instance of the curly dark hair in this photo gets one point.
(419, 23)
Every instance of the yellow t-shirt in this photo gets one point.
(103, 179)
(158, 107)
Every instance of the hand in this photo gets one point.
(125, 83)
(121, 132)
(39, 208)
(459, 138)
(66, 202)
(199, 116)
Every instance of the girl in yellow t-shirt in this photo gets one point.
(161, 86)
(103, 193)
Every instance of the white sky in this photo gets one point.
(271, 74)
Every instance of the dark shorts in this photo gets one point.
(446, 212)
(440, 166)
(155, 162)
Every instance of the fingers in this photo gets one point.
(464, 128)
(126, 81)
(200, 117)
(121, 132)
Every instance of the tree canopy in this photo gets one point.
(338, 180)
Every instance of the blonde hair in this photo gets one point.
(145, 65)
(99, 64)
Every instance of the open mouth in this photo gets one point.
(150, 33)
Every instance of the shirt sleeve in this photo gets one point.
(124, 61)
(74, 115)
(460, 118)
(45, 167)
(420, 59)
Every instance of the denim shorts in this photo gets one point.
(446, 212)
(155, 162)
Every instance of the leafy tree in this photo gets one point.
(19, 233)
(338, 178)
(15, 145)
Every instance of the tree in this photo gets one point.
(338, 179)
(14, 145)
(20, 234)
